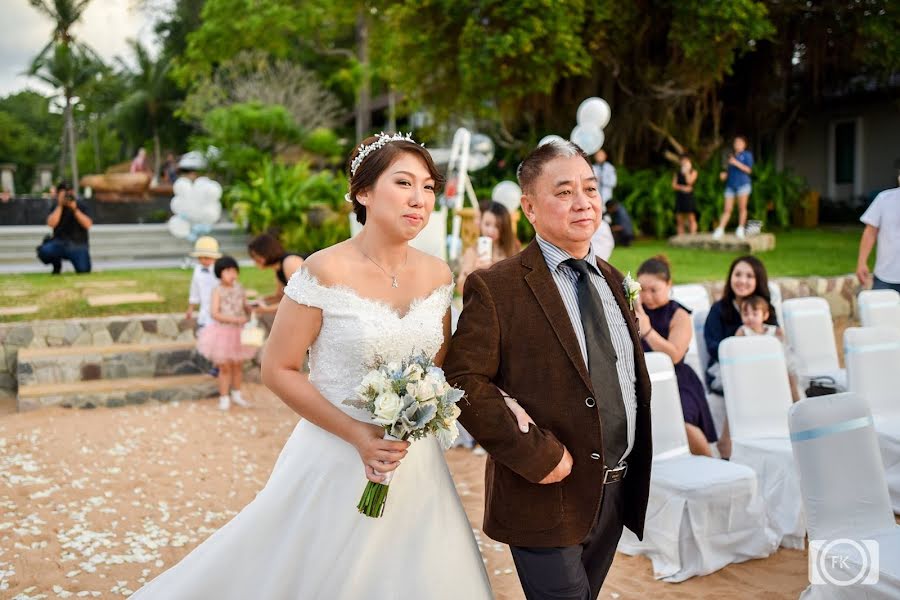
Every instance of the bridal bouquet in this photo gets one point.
(411, 399)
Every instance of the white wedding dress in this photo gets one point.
(302, 537)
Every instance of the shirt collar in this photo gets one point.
(555, 256)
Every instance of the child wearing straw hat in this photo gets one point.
(206, 251)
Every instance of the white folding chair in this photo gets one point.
(703, 513)
(777, 302)
(757, 398)
(873, 372)
(846, 499)
(699, 319)
(879, 308)
(810, 335)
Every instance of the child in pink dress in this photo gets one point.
(220, 341)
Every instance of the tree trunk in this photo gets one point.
(157, 159)
(95, 142)
(364, 95)
(70, 126)
(392, 110)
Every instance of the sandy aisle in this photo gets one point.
(96, 502)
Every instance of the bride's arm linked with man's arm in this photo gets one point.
(538, 456)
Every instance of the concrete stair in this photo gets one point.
(115, 246)
(112, 375)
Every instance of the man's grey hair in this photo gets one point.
(531, 168)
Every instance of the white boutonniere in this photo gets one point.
(632, 289)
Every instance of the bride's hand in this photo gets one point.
(377, 453)
(522, 418)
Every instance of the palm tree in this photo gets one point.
(65, 13)
(67, 70)
(151, 94)
(67, 64)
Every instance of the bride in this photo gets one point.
(302, 536)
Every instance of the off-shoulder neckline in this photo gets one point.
(384, 304)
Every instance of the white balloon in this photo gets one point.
(179, 227)
(507, 193)
(481, 151)
(208, 213)
(550, 138)
(588, 137)
(593, 111)
(182, 186)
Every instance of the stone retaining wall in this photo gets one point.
(102, 331)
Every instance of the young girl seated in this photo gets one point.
(755, 311)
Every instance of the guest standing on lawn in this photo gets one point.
(882, 220)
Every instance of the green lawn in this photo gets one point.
(798, 253)
(65, 296)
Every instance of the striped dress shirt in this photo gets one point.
(567, 283)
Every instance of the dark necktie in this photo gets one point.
(601, 365)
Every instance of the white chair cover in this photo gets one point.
(692, 295)
(777, 302)
(810, 334)
(699, 342)
(873, 372)
(757, 398)
(845, 496)
(703, 513)
(879, 308)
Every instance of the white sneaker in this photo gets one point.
(718, 233)
(224, 402)
(238, 399)
(739, 232)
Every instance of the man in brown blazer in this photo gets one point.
(552, 327)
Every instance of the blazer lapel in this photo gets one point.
(545, 291)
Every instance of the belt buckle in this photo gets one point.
(614, 475)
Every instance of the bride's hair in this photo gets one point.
(376, 162)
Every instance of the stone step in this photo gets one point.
(116, 392)
(73, 364)
(727, 243)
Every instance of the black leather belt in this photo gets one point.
(614, 475)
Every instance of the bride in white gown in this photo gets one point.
(302, 537)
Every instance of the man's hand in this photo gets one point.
(561, 471)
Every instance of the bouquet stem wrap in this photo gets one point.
(375, 495)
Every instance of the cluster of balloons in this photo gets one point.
(592, 116)
(196, 206)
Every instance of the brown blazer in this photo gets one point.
(515, 334)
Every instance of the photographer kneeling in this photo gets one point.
(70, 220)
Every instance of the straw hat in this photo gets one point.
(206, 246)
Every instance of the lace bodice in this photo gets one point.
(356, 329)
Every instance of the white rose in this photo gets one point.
(387, 408)
(413, 372)
(422, 391)
(377, 381)
(455, 411)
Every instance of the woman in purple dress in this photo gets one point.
(666, 327)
